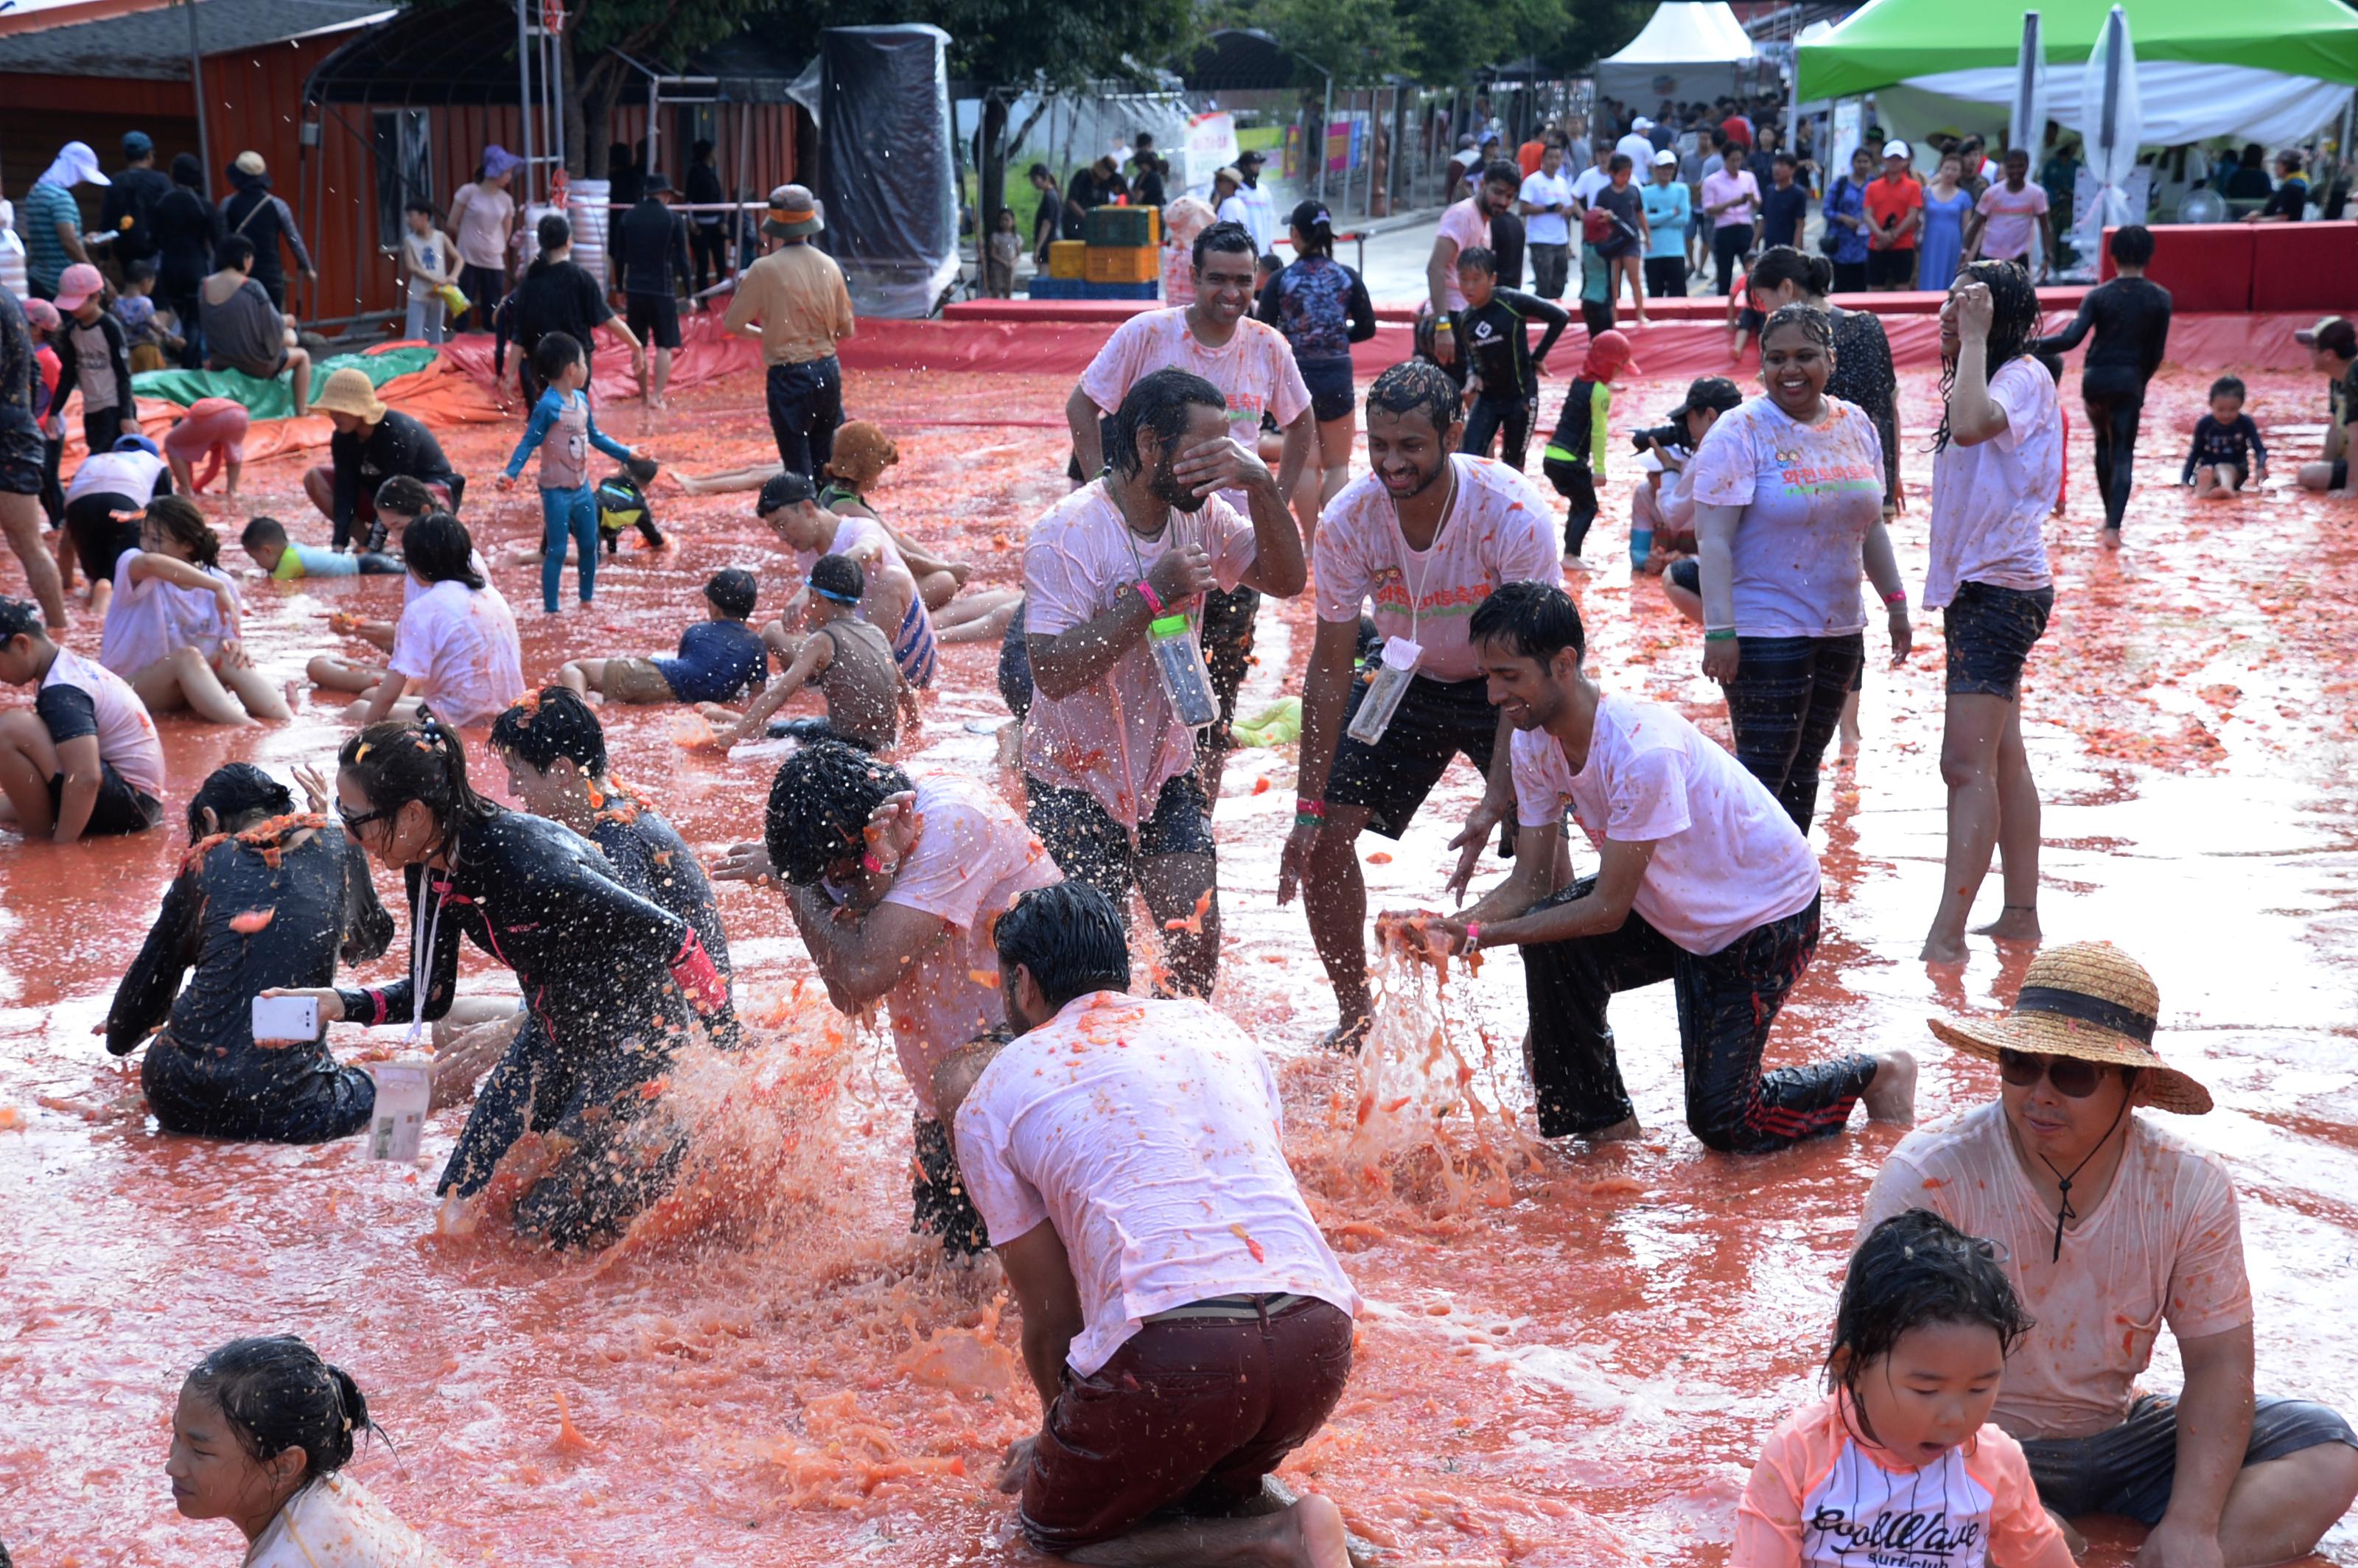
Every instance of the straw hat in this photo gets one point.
(2091, 1000)
(349, 391)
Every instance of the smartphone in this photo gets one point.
(285, 1020)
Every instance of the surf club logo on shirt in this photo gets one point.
(1896, 1537)
(1388, 592)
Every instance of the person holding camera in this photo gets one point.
(1663, 509)
(1789, 505)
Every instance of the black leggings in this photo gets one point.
(1784, 705)
(2115, 401)
(1726, 1002)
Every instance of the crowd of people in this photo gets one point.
(1078, 1108)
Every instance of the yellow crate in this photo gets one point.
(1067, 258)
(1125, 264)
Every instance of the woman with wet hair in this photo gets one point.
(261, 1436)
(613, 979)
(266, 897)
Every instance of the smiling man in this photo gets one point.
(2107, 1224)
(1703, 880)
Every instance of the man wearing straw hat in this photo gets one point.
(2106, 1225)
(797, 296)
(370, 445)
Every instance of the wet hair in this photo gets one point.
(553, 723)
(276, 1394)
(553, 353)
(554, 233)
(262, 532)
(1477, 258)
(2014, 326)
(1159, 402)
(402, 759)
(19, 617)
(1780, 264)
(234, 254)
(1415, 387)
(437, 548)
(1537, 620)
(1813, 323)
(182, 524)
(820, 806)
(838, 580)
(1913, 1269)
(1069, 936)
(2228, 387)
(234, 791)
(406, 494)
(2132, 244)
(1223, 238)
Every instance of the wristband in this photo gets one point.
(1153, 599)
(1305, 806)
(1444, 324)
(1897, 598)
(1724, 634)
(1473, 938)
(871, 864)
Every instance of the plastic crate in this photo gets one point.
(1125, 264)
(1120, 291)
(1046, 287)
(1122, 228)
(1067, 258)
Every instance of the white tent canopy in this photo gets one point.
(1688, 50)
(2183, 102)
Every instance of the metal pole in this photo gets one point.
(523, 102)
(744, 145)
(655, 100)
(197, 90)
(1326, 118)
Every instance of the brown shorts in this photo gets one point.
(1187, 1415)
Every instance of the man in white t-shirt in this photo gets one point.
(2106, 1223)
(1421, 540)
(1253, 207)
(1547, 207)
(84, 758)
(1184, 1323)
(1465, 227)
(1703, 880)
(1254, 366)
(1595, 177)
(1637, 146)
(1116, 577)
(895, 885)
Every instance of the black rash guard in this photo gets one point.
(2130, 316)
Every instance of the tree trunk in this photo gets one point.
(991, 165)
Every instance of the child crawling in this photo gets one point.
(846, 658)
(720, 657)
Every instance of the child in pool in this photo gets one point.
(848, 660)
(283, 560)
(260, 1437)
(720, 657)
(1901, 1448)
(562, 431)
(400, 501)
(2228, 453)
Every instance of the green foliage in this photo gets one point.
(1006, 43)
(1358, 42)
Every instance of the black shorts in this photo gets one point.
(1089, 846)
(1891, 270)
(2341, 474)
(120, 808)
(1990, 632)
(2129, 1469)
(23, 454)
(1328, 378)
(99, 538)
(1435, 721)
(653, 319)
(1227, 635)
(1687, 574)
(940, 1204)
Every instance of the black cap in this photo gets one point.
(1252, 156)
(733, 591)
(658, 183)
(1714, 392)
(837, 578)
(785, 490)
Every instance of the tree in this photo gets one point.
(1355, 43)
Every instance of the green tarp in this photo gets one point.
(1891, 42)
(275, 399)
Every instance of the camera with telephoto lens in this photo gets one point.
(1670, 435)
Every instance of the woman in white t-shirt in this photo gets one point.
(172, 624)
(1997, 467)
(1788, 506)
(260, 1437)
(455, 648)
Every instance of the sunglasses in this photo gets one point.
(2073, 1076)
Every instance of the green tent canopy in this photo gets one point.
(1891, 42)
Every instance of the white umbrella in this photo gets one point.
(2026, 123)
(2114, 121)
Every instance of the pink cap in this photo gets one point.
(80, 281)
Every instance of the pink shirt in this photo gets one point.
(1254, 370)
(2163, 1242)
(2013, 226)
(1461, 222)
(1990, 503)
(1498, 530)
(1720, 185)
(972, 856)
(1148, 1134)
(1118, 737)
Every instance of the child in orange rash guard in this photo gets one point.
(1900, 1460)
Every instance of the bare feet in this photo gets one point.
(1941, 948)
(1625, 1131)
(1317, 1527)
(2109, 538)
(1891, 1095)
(1574, 564)
(2015, 923)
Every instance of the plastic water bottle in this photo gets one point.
(1384, 693)
(1179, 663)
(404, 1088)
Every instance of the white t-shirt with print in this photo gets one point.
(1809, 494)
(1498, 530)
(1148, 1134)
(1990, 503)
(1544, 189)
(126, 734)
(427, 254)
(460, 643)
(1118, 737)
(1254, 370)
(1727, 859)
(148, 618)
(972, 856)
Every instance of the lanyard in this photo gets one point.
(421, 959)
